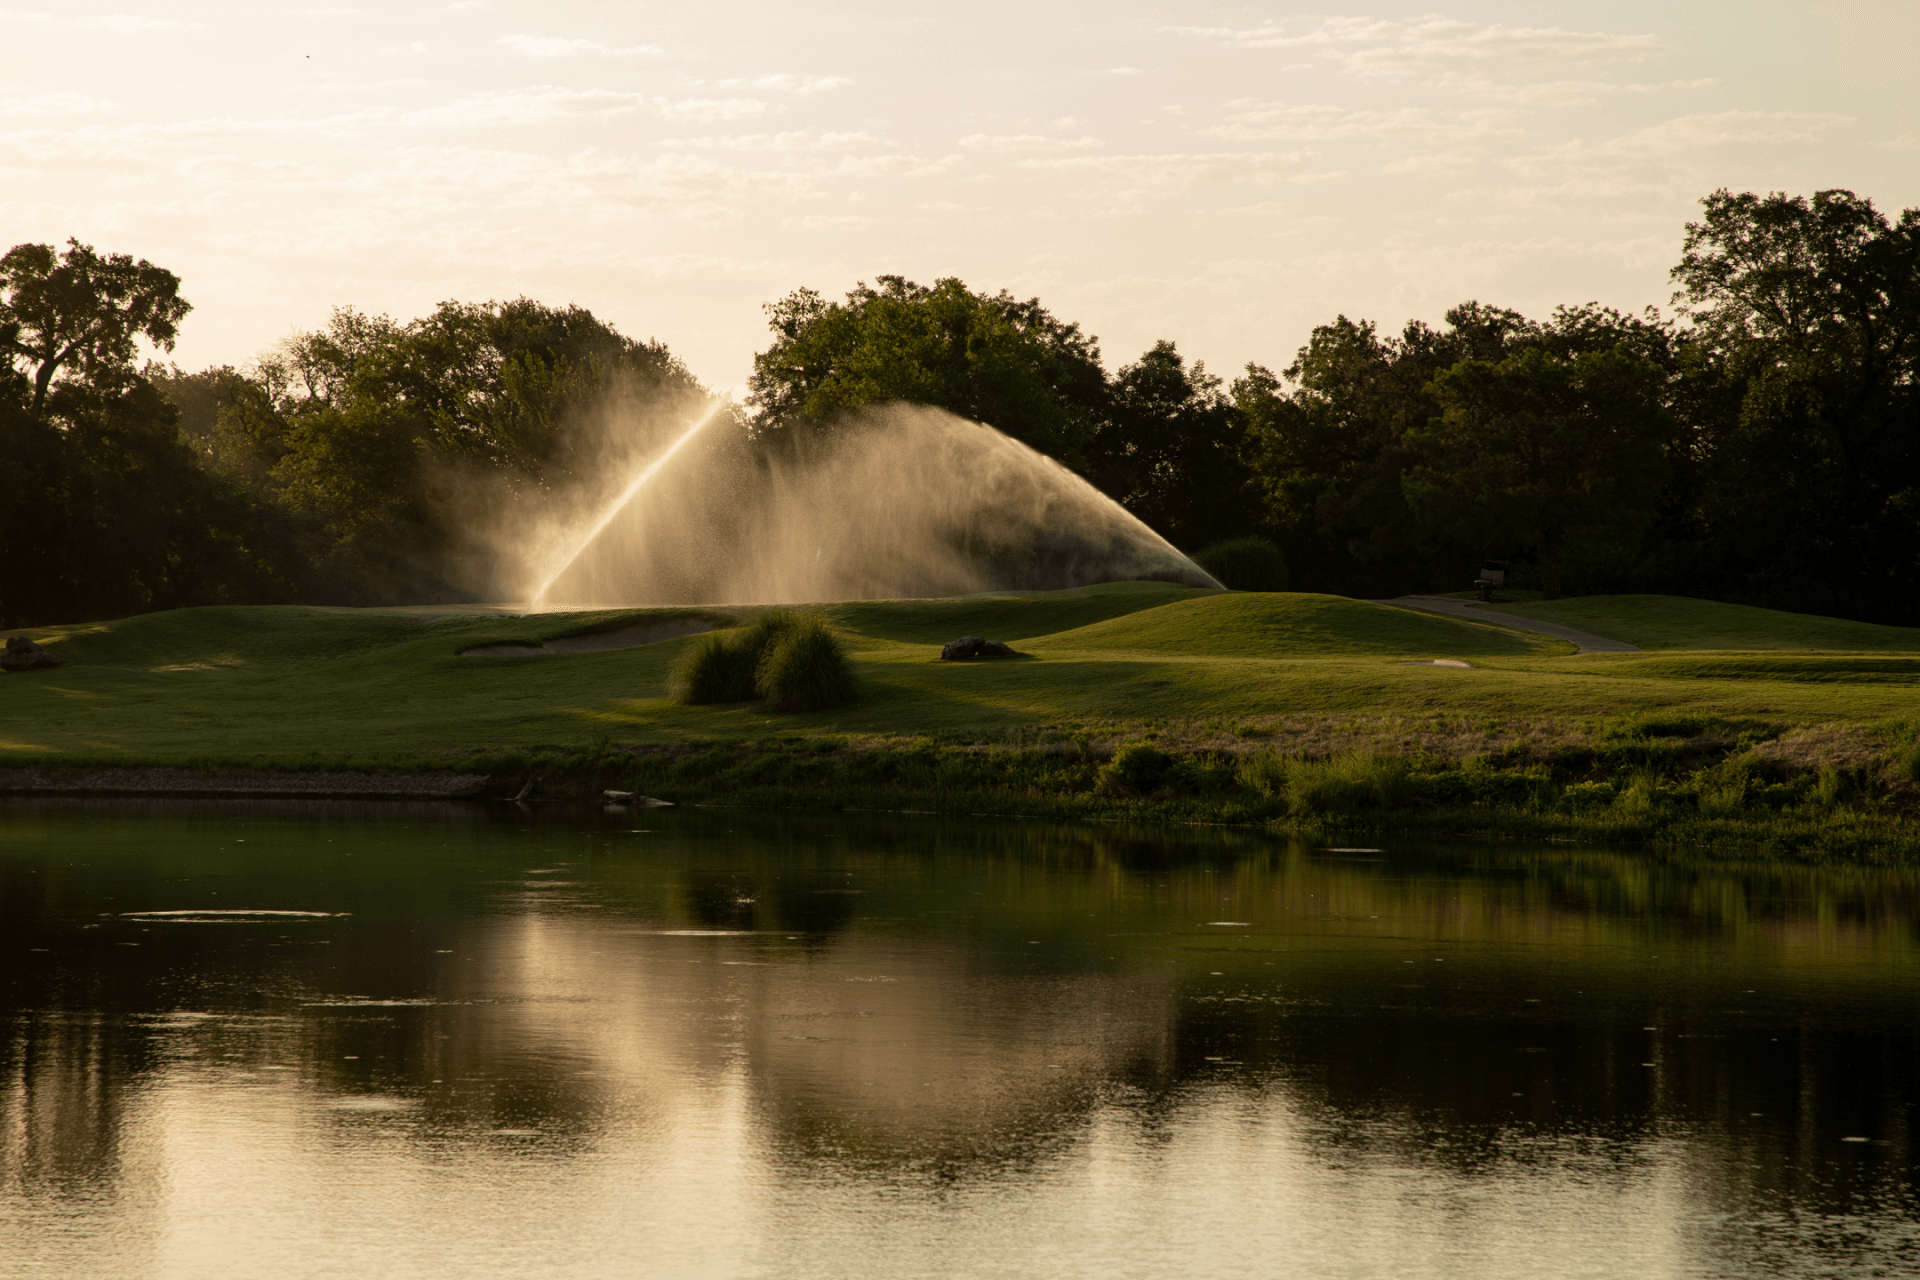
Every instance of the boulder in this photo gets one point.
(974, 647)
(24, 655)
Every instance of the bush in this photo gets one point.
(1265, 773)
(1138, 767)
(1350, 781)
(714, 667)
(802, 667)
(1245, 564)
(1588, 795)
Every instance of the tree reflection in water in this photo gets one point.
(727, 1041)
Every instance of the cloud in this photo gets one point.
(554, 104)
(1686, 134)
(1674, 160)
(1489, 57)
(1180, 172)
(49, 106)
(794, 141)
(1254, 121)
(121, 24)
(1027, 142)
(127, 24)
(562, 47)
(836, 222)
(789, 83)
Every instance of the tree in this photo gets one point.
(81, 311)
(1169, 450)
(1569, 430)
(1330, 440)
(394, 446)
(989, 357)
(1806, 332)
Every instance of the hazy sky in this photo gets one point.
(1226, 176)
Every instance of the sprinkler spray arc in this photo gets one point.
(619, 504)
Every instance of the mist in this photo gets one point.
(895, 501)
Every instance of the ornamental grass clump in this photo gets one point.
(714, 667)
(724, 666)
(802, 667)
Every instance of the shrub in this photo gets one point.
(1589, 795)
(1351, 781)
(731, 666)
(1906, 765)
(802, 667)
(1641, 793)
(1245, 564)
(714, 667)
(1265, 773)
(1138, 767)
(1830, 788)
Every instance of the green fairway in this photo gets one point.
(286, 684)
(1672, 622)
(1132, 699)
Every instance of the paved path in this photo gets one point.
(1588, 642)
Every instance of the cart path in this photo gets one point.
(1588, 642)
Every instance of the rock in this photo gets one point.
(24, 655)
(974, 647)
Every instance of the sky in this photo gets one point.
(1224, 176)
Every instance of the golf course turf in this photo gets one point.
(1737, 727)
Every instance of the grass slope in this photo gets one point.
(1238, 692)
(1299, 625)
(1672, 622)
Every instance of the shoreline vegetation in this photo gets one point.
(1292, 713)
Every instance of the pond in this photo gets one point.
(283, 1040)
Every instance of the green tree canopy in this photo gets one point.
(1806, 317)
(1569, 430)
(1170, 450)
(80, 312)
(989, 357)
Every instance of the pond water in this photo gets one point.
(283, 1040)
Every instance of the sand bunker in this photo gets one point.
(628, 637)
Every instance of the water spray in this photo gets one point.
(619, 504)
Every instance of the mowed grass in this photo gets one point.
(285, 686)
(1673, 622)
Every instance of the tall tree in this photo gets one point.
(1570, 430)
(1330, 440)
(1806, 317)
(989, 357)
(80, 311)
(1170, 451)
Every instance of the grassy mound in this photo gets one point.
(1003, 617)
(1267, 626)
(1673, 622)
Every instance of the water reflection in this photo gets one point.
(718, 1044)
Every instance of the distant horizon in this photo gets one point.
(1223, 176)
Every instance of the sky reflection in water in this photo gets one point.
(729, 1044)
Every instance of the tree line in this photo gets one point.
(1758, 445)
